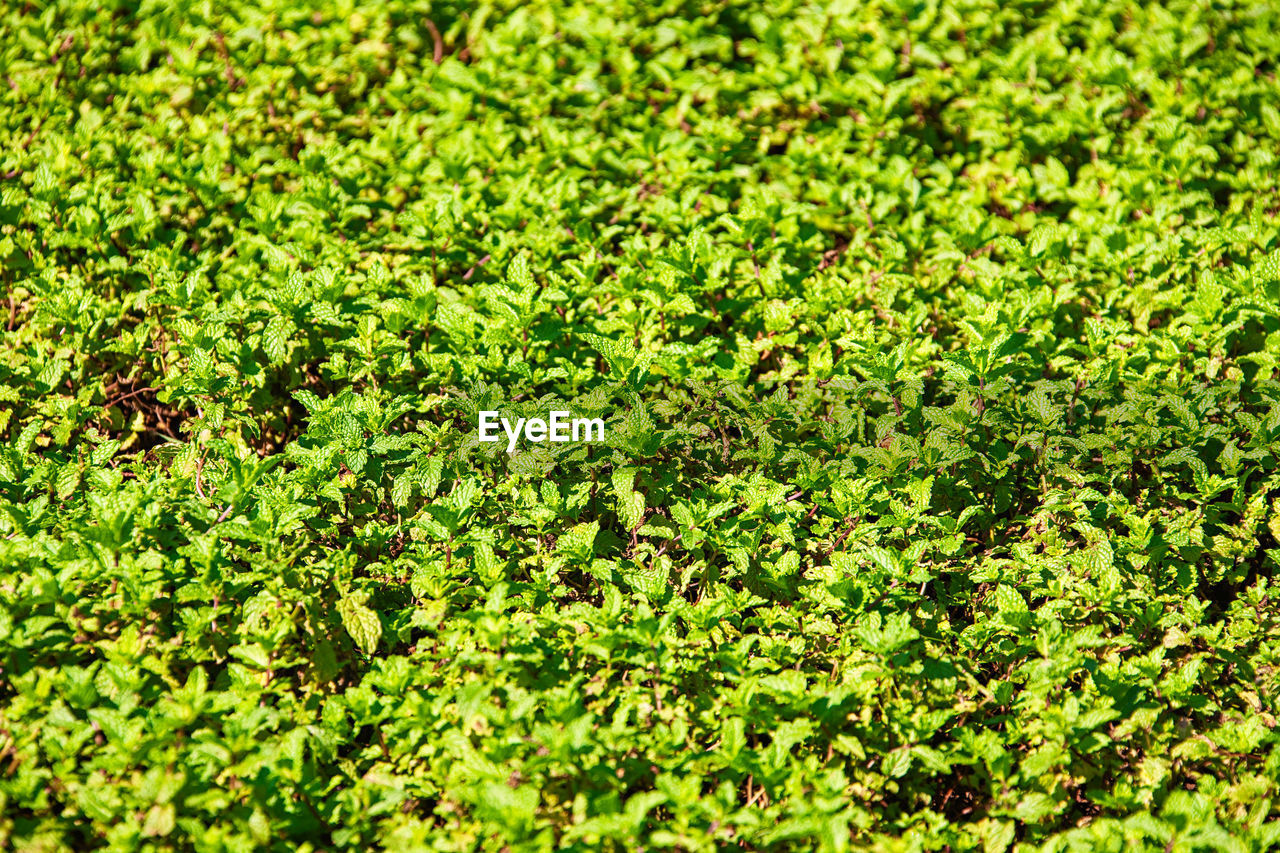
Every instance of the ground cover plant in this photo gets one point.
(937, 344)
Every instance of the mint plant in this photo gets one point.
(935, 348)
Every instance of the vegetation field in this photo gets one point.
(937, 344)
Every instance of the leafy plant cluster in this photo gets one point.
(938, 348)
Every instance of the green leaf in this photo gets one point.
(577, 541)
(361, 623)
(275, 339)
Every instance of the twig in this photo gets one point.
(840, 541)
(31, 137)
(117, 401)
(471, 272)
(199, 468)
(437, 51)
(663, 547)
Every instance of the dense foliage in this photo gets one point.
(938, 344)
